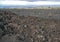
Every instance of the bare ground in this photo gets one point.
(14, 28)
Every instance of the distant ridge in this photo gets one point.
(31, 6)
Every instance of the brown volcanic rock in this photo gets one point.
(15, 28)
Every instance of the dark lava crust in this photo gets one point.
(14, 28)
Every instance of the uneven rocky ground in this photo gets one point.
(14, 28)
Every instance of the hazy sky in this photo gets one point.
(29, 2)
(41, 0)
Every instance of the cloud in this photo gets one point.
(39, 0)
(14, 2)
(9, 0)
(45, 3)
(30, 0)
(28, 3)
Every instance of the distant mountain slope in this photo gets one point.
(30, 6)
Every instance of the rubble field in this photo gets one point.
(14, 28)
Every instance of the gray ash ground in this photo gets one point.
(14, 28)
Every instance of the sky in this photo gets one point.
(28, 2)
